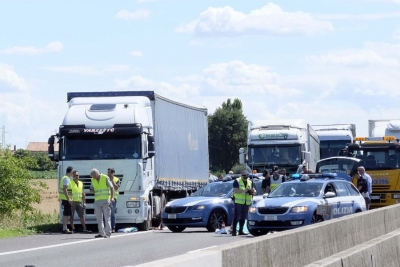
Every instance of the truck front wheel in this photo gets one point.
(145, 225)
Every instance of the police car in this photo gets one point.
(207, 207)
(294, 203)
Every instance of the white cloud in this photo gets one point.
(136, 53)
(134, 15)
(270, 19)
(89, 70)
(396, 34)
(372, 16)
(10, 77)
(353, 57)
(53, 47)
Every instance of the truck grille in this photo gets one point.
(272, 210)
(380, 187)
(86, 180)
(175, 209)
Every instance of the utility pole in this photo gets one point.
(3, 137)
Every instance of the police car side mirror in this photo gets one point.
(329, 195)
(265, 195)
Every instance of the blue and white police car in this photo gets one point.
(207, 207)
(294, 203)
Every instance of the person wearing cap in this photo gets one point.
(242, 193)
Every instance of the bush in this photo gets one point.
(17, 189)
(44, 174)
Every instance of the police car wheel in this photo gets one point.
(257, 232)
(215, 220)
(316, 218)
(176, 229)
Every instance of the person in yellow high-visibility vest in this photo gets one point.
(116, 183)
(64, 196)
(103, 191)
(78, 201)
(243, 192)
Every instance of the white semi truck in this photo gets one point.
(158, 148)
(379, 128)
(334, 137)
(286, 143)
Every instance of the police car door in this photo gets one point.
(344, 200)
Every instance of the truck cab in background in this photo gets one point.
(334, 137)
(286, 143)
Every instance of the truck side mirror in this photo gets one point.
(50, 152)
(241, 156)
(151, 148)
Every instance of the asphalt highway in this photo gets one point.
(121, 250)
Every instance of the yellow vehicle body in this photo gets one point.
(381, 160)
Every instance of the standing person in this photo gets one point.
(78, 201)
(362, 186)
(276, 180)
(103, 191)
(242, 192)
(64, 196)
(266, 183)
(363, 174)
(116, 184)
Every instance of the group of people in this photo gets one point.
(72, 196)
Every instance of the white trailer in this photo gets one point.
(379, 128)
(286, 143)
(158, 148)
(334, 137)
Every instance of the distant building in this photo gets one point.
(40, 147)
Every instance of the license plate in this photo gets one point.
(171, 216)
(271, 217)
(375, 197)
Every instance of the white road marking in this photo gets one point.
(198, 250)
(70, 243)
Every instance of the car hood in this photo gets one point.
(289, 201)
(192, 201)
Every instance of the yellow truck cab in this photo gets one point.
(380, 158)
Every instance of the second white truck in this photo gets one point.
(334, 137)
(286, 143)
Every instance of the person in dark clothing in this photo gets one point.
(243, 192)
(362, 186)
(266, 183)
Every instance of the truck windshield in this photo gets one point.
(100, 147)
(378, 158)
(331, 148)
(338, 165)
(283, 155)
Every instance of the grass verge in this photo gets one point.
(28, 224)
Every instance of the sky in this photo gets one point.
(325, 61)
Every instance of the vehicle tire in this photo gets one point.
(145, 225)
(316, 218)
(257, 232)
(157, 221)
(215, 220)
(176, 229)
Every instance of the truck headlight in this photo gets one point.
(299, 209)
(396, 196)
(133, 204)
(252, 210)
(199, 207)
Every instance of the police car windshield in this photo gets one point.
(301, 189)
(217, 189)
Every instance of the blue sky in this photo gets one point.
(326, 61)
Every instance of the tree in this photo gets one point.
(38, 161)
(227, 132)
(17, 190)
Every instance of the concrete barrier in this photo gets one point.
(381, 251)
(299, 247)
